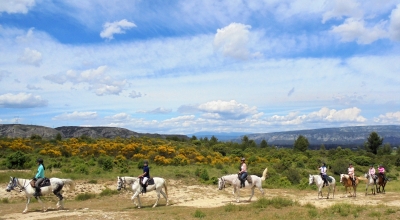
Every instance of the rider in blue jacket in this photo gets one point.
(39, 176)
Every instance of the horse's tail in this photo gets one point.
(264, 176)
(165, 188)
(70, 183)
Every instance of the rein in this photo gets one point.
(16, 184)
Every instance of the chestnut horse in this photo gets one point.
(346, 182)
(381, 183)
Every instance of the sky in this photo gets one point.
(181, 67)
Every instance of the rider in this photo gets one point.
(323, 170)
(371, 173)
(381, 171)
(145, 175)
(243, 172)
(39, 176)
(350, 171)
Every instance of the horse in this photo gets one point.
(235, 182)
(55, 187)
(381, 183)
(317, 179)
(346, 182)
(159, 184)
(370, 182)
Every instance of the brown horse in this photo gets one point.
(346, 182)
(381, 183)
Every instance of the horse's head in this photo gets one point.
(341, 177)
(221, 183)
(12, 184)
(311, 179)
(366, 175)
(120, 183)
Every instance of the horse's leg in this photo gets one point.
(41, 202)
(252, 193)
(28, 199)
(136, 194)
(158, 197)
(57, 192)
(238, 195)
(165, 196)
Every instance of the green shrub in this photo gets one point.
(85, 196)
(276, 202)
(5, 200)
(16, 160)
(313, 213)
(293, 176)
(83, 169)
(124, 170)
(108, 192)
(390, 211)
(106, 163)
(199, 214)
(230, 207)
(202, 173)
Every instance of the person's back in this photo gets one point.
(145, 175)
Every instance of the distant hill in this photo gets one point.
(26, 131)
(221, 136)
(330, 137)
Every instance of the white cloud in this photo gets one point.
(119, 117)
(117, 27)
(394, 28)
(226, 109)
(340, 8)
(232, 41)
(31, 57)
(333, 115)
(16, 6)
(21, 100)
(32, 87)
(355, 30)
(159, 110)
(135, 94)
(75, 116)
(388, 118)
(98, 81)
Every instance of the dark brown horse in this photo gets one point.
(381, 183)
(347, 182)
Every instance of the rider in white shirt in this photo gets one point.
(322, 171)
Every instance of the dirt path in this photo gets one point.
(200, 196)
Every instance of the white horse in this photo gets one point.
(235, 182)
(55, 187)
(370, 182)
(159, 184)
(317, 179)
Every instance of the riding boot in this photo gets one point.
(144, 189)
(37, 192)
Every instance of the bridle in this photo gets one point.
(16, 184)
(222, 183)
(121, 183)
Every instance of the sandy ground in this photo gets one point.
(200, 196)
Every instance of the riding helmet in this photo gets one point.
(39, 160)
(243, 159)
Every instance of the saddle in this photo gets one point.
(248, 178)
(149, 181)
(45, 182)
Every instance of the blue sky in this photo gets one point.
(181, 67)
